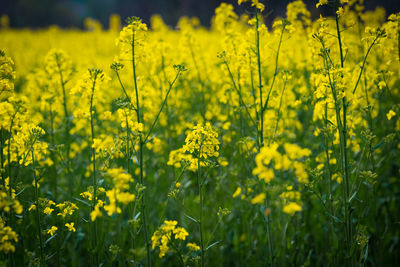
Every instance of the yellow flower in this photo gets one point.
(321, 3)
(237, 192)
(70, 227)
(259, 199)
(336, 177)
(87, 195)
(180, 233)
(193, 246)
(162, 236)
(96, 212)
(291, 208)
(258, 5)
(203, 140)
(255, 3)
(48, 210)
(390, 114)
(32, 207)
(66, 208)
(52, 230)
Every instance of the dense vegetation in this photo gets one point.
(238, 145)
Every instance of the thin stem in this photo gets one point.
(268, 217)
(343, 142)
(278, 115)
(3, 178)
(143, 201)
(178, 252)
(199, 183)
(66, 129)
(261, 127)
(398, 39)
(239, 93)
(162, 106)
(364, 61)
(123, 89)
(276, 68)
(9, 153)
(94, 179)
(42, 261)
(262, 108)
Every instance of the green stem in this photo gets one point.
(94, 179)
(261, 127)
(276, 67)
(42, 261)
(199, 183)
(364, 61)
(268, 217)
(123, 89)
(278, 115)
(162, 106)
(143, 199)
(3, 178)
(343, 141)
(239, 93)
(66, 129)
(9, 153)
(178, 252)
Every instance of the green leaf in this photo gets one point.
(193, 219)
(213, 244)
(352, 196)
(82, 201)
(49, 239)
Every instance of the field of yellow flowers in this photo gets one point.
(234, 145)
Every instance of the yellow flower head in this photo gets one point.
(52, 230)
(70, 227)
(193, 247)
(291, 208)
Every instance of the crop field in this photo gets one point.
(238, 144)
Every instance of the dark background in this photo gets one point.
(71, 13)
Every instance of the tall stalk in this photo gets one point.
(141, 143)
(260, 139)
(9, 152)
(261, 126)
(3, 178)
(94, 179)
(344, 158)
(66, 128)
(38, 220)
(200, 184)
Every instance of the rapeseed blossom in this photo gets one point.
(166, 233)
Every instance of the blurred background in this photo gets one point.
(71, 13)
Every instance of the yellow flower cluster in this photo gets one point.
(88, 90)
(133, 33)
(255, 3)
(66, 208)
(202, 141)
(7, 238)
(292, 201)
(119, 193)
(167, 233)
(128, 119)
(291, 160)
(9, 203)
(7, 76)
(52, 230)
(70, 227)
